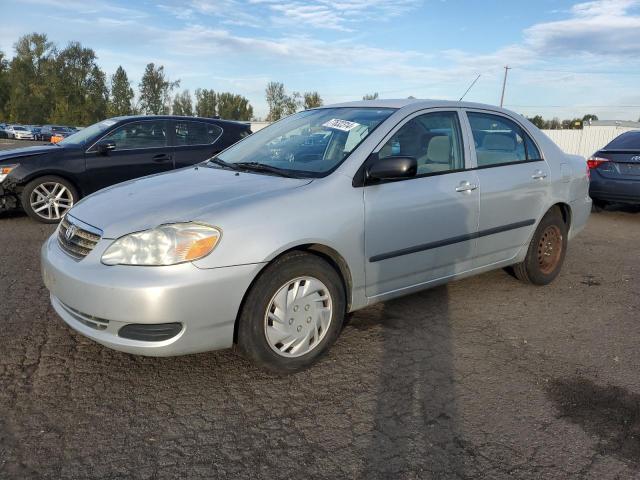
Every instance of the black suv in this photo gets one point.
(47, 180)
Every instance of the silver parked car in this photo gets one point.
(19, 132)
(271, 243)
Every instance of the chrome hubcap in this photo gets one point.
(51, 200)
(298, 317)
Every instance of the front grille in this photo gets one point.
(76, 238)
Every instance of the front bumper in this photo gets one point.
(97, 300)
(8, 197)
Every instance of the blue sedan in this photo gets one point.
(615, 171)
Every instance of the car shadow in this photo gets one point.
(620, 207)
(415, 420)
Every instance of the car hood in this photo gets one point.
(8, 155)
(190, 194)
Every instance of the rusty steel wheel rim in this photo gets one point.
(549, 249)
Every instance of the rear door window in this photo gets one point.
(196, 133)
(497, 140)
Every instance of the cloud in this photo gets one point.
(317, 14)
(601, 27)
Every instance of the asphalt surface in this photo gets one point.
(483, 378)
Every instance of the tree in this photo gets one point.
(312, 100)
(155, 90)
(121, 101)
(182, 104)
(5, 90)
(206, 103)
(292, 103)
(370, 96)
(276, 100)
(554, 124)
(81, 94)
(280, 104)
(589, 117)
(234, 107)
(538, 121)
(31, 75)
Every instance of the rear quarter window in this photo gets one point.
(196, 133)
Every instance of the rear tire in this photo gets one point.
(546, 252)
(293, 313)
(598, 206)
(46, 199)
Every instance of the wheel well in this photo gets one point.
(331, 256)
(30, 179)
(565, 210)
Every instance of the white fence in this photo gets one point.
(586, 141)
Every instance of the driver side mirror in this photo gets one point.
(105, 146)
(393, 168)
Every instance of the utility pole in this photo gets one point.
(504, 83)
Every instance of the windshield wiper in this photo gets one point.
(222, 163)
(261, 167)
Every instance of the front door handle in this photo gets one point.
(465, 187)
(162, 157)
(539, 175)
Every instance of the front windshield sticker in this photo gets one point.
(344, 125)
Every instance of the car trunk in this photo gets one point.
(622, 164)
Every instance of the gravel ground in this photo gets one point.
(483, 378)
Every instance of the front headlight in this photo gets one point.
(5, 170)
(163, 245)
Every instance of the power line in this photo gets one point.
(590, 72)
(572, 106)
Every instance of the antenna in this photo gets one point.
(470, 86)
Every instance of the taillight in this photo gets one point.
(595, 162)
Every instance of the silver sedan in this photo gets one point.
(271, 243)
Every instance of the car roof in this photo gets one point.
(179, 117)
(419, 104)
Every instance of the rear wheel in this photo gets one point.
(546, 252)
(598, 205)
(47, 199)
(292, 314)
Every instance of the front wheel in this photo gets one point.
(47, 199)
(546, 252)
(292, 314)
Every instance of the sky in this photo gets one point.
(567, 58)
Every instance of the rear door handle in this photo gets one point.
(539, 175)
(465, 187)
(162, 157)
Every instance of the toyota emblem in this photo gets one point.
(71, 231)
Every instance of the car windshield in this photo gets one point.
(310, 143)
(86, 134)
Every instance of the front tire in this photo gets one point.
(293, 313)
(47, 199)
(546, 252)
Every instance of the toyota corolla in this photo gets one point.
(269, 244)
